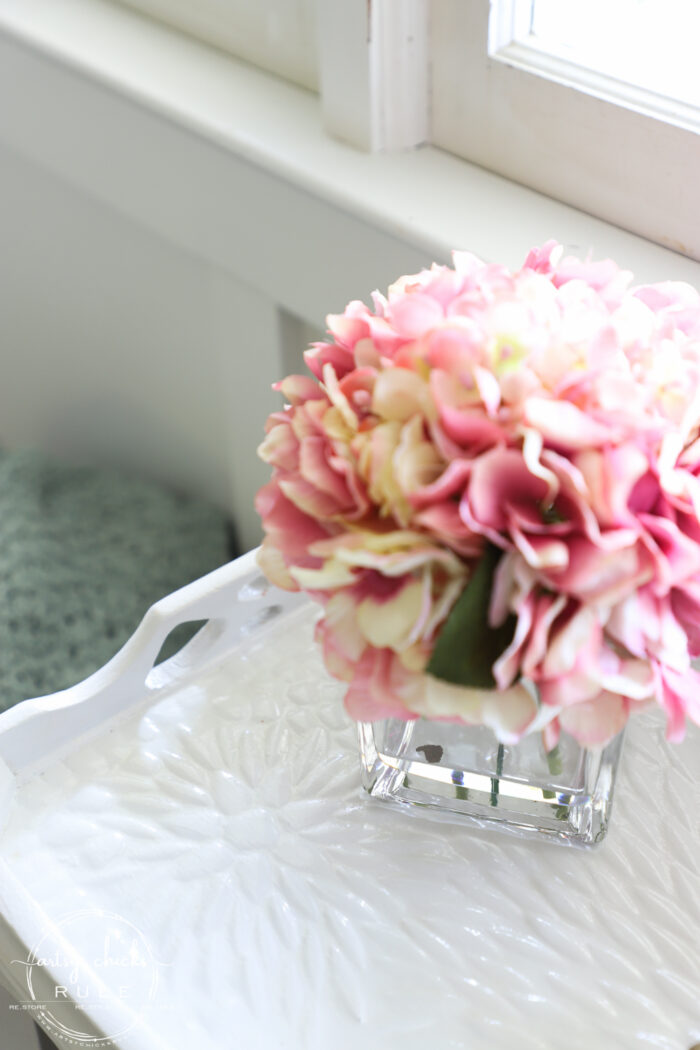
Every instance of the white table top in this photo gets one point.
(221, 817)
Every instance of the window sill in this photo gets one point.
(233, 163)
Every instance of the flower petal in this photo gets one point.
(388, 624)
(595, 722)
(563, 425)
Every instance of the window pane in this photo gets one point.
(649, 43)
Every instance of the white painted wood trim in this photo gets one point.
(509, 20)
(233, 165)
(374, 72)
(251, 355)
(532, 58)
(277, 35)
(560, 132)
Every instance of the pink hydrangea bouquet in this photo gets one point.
(491, 484)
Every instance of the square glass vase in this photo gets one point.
(462, 774)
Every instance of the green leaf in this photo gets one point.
(467, 647)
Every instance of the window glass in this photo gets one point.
(651, 44)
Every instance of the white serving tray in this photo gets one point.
(214, 804)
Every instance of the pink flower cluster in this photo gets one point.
(553, 413)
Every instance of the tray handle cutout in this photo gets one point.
(235, 600)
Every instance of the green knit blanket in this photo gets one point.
(83, 553)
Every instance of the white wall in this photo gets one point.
(147, 275)
(117, 347)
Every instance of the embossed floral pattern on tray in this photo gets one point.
(225, 819)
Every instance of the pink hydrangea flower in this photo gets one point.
(552, 413)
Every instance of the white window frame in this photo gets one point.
(619, 153)
(374, 72)
(368, 60)
(245, 141)
(464, 76)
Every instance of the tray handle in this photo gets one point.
(235, 599)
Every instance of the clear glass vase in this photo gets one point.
(462, 774)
